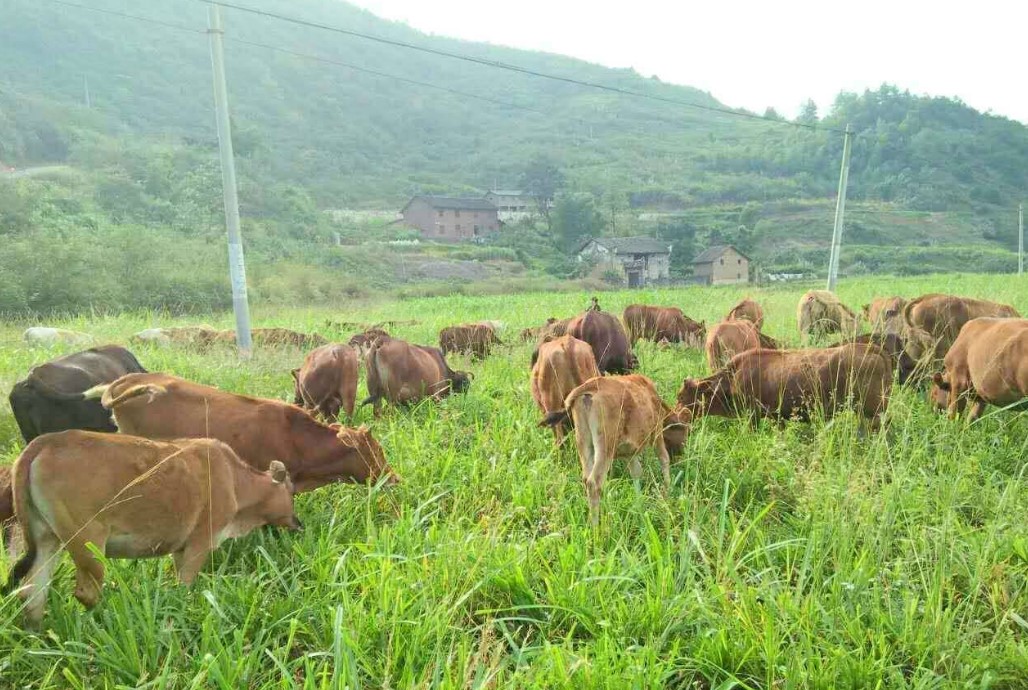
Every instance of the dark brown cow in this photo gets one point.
(933, 322)
(608, 340)
(475, 339)
(988, 364)
(619, 416)
(786, 384)
(728, 338)
(747, 310)
(327, 381)
(49, 399)
(662, 324)
(402, 373)
(558, 367)
(160, 406)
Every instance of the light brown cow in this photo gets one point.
(475, 339)
(362, 341)
(7, 521)
(619, 416)
(134, 498)
(728, 338)
(933, 322)
(795, 384)
(402, 373)
(160, 406)
(274, 337)
(747, 310)
(885, 314)
(820, 312)
(558, 367)
(988, 364)
(662, 325)
(192, 336)
(327, 381)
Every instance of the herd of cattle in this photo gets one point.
(192, 465)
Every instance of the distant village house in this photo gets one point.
(641, 260)
(451, 219)
(722, 264)
(512, 205)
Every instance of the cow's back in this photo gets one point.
(607, 338)
(729, 338)
(402, 372)
(562, 365)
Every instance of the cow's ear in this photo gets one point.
(940, 382)
(278, 472)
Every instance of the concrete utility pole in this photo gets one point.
(1020, 239)
(840, 211)
(85, 88)
(236, 267)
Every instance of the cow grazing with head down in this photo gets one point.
(987, 365)
(729, 338)
(43, 336)
(820, 312)
(49, 398)
(619, 416)
(475, 339)
(362, 341)
(662, 325)
(558, 367)
(892, 344)
(931, 324)
(192, 336)
(885, 314)
(327, 381)
(608, 340)
(402, 374)
(800, 384)
(747, 310)
(134, 498)
(159, 406)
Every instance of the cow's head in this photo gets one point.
(459, 381)
(704, 396)
(277, 507)
(369, 463)
(938, 395)
(676, 429)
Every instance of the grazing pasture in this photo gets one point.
(792, 556)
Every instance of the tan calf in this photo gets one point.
(820, 312)
(558, 367)
(988, 364)
(729, 338)
(327, 381)
(134, 498)
(619, 416)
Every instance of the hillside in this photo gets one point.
(928, 174)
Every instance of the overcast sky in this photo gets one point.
(760, 53)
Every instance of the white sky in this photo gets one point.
(759, 53)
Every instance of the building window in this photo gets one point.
(456, 213)
(740, 262)
(722, 262)
(456, 228)
(738, 276)
(440, 214)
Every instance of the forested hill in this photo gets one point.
(354, 138)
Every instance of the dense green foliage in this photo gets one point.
(799, 556)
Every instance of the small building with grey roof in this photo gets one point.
(640, 260)
(721, 264)
(449, 218)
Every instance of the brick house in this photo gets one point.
(722, 264)
(513, 204)
(451, 219)
(641, 260)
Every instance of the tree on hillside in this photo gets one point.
(575, 218)
(541, 180)
(682, 235)
(808, 113)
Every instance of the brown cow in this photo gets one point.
(403, 374)
(885, 314)
(784, 384)
(362, 341)
(7, 521)
(275, 337)
(608, 340)
(475, 339)
(988, 364)
(327, 381)
(662, 324)
(747, 310)
(134, 498)
(160, 406)
(893, 346)
(931, 323)
(820, 312)
(728, 338)
(194, 336)
(558, 367)
(619, 416)
(537, 332)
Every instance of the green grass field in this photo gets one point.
(793, 557)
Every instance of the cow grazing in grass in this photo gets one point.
(43, 336)
(931, 324)
(729, 338)
(402, 373)
(987, 365)
(747, 310)
(903, 364)
(558, 367)
(192, 336)
(275, 337)
(49, 398)
(134, 498)
(795, 384)
(885, 314)
(159, 406)
(619, 416)
(327, 381)
(475, 339)
(362, 341)
(820, 312)
(608, 340)
(662, 325)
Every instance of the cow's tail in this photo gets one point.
(22, 509)
(110, 401)
(554, 418)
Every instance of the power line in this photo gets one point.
(516, 68)
(125, 15)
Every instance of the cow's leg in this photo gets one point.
(665, 461)
(604, 455)
(89, 571)
(191, 558)
(48, 550)
(977, 408)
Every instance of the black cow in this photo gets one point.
(49, 399)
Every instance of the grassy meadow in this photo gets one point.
(800, 556)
